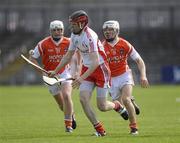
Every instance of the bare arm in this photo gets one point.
(94, 64)
(34, 61)
(76, 65)
(142, 69)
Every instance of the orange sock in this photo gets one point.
(133, 125)
(117, 106)
(68, 123)
(99, 128)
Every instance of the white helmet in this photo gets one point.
(111, 24)
(56, 24)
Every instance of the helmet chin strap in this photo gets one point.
(56, 39)
(113, 38)
(110, 39)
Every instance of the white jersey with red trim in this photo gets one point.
(86, 43)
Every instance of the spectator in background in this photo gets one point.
(118, 50)
(95, 70)
(51, 50)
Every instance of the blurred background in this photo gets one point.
(151, 26)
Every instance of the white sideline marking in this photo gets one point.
(177, 99)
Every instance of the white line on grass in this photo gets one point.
(177, 99)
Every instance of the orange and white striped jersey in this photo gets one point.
(117, 56)
(51, 52)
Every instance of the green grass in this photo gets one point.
(28, 114)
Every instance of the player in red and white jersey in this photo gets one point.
(118, 51)
(51, 50)
(95, 70)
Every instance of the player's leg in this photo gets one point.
(59, 100)
(58, 96)
(66, 90)
(102, 103)
(105, 105)
(86, 89)
(126, 98)
(137, 109)
(56, 93)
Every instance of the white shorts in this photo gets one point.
(89, 87)
(55, 89)
(118, 82)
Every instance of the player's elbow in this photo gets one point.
(140, 62)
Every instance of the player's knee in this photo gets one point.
(102, 107)
(83, 100)
(126, 100)
(66, 96)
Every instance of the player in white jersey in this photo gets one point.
(95, 70)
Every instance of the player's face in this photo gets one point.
(109, 33)
(75, 28)
(57, 33)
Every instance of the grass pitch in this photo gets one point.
(28, 114)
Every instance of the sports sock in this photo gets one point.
(133, 125)
(99, 128)
(68, 122)
(117, 106)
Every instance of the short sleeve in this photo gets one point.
(36, 52)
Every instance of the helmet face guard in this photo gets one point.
(56, 29)
(110, 30)
(81, 18)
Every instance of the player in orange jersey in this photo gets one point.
(51, 50)
(118, 50)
